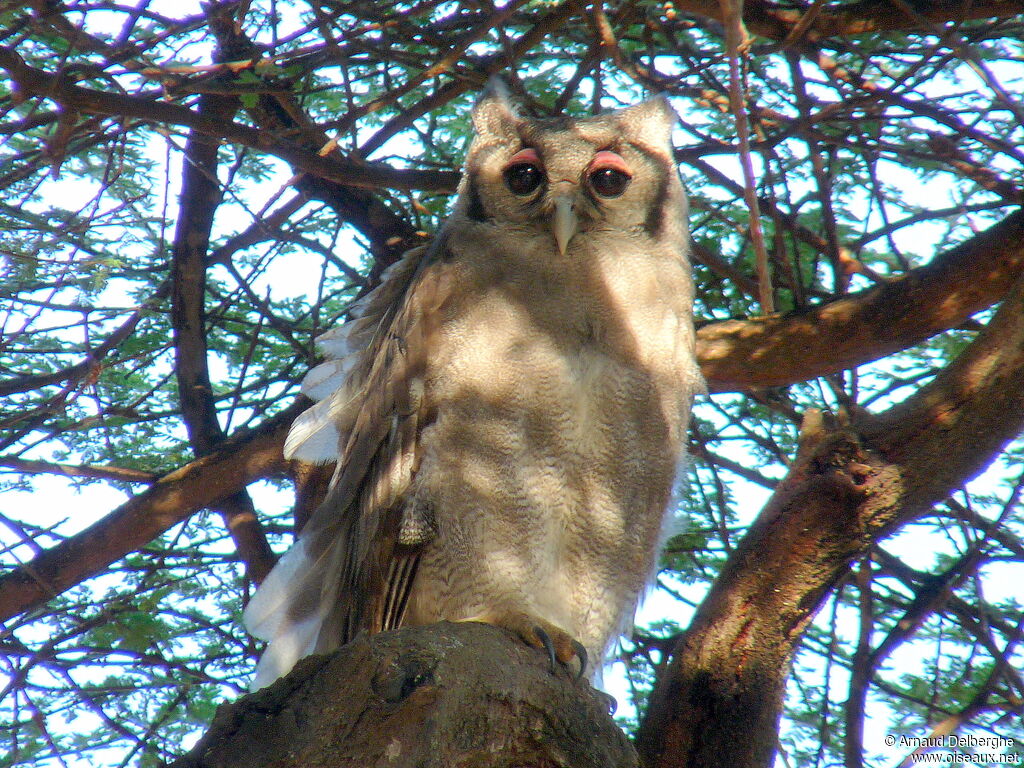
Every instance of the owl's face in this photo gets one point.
(567, 176)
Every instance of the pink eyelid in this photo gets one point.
(605, 159)
(523, 157)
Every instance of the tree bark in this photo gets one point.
(781, 349)
(447, 695)
(777, 20)
(718, 697)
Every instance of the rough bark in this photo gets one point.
(777, 21)
(718, 698)
(441, 696)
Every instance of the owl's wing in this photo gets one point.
(353, 564)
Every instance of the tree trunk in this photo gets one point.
(717, 699)
(440, 696)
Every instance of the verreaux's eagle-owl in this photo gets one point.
(508, 408)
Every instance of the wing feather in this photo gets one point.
(349, 571)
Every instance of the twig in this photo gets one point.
(737, 42)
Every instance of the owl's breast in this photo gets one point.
(558, 420)
(588, 358)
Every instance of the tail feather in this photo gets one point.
(297, 641)
(292, 607)
(315, 436)
(268, 608)
(336, 580)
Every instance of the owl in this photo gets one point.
(508, 408)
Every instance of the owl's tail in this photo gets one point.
(293, 608)
(342, 575)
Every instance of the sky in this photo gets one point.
(56, 502)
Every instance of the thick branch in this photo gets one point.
(717, 701)
(200, 197)
(865, 326)
(776, 21)
(240, 460)
(60, 89)
(419, 697)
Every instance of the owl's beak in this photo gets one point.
(563, 222)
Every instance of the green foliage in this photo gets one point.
(878, 150)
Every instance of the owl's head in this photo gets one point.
(566, 176)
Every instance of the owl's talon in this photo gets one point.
(581, 654)
(545, 640)
(610, 702)
(548, 644)
(560, 646)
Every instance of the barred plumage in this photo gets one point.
(509, 407)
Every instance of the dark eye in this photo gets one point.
(609, 182)
(523, 178)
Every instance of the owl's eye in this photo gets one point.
(608, 175)
(523, 178)
(609, 182)
(523, 172)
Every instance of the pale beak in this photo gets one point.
(563, 222)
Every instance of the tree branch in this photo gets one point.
(430, 697)
(717, 701)
(200, 197)
(865, 326)
(240, 459)
(94, 471)
(389, 234)
(776, 21)
(150, 106)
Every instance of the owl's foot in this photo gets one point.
(549, 645)
(561, 647)
(610, 702)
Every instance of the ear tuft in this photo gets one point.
(652, 121)
(495, 113)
